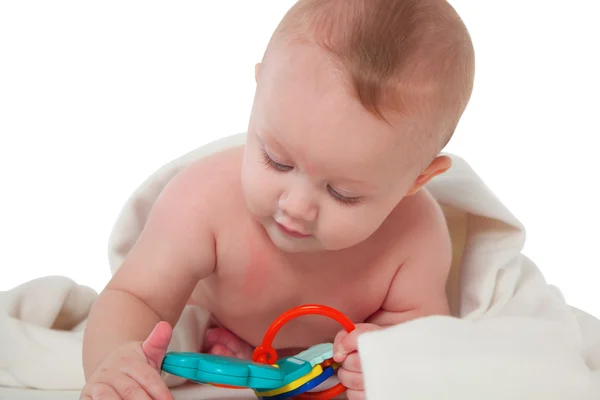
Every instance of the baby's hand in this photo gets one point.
(345, 348)
(220, 341)
(132, 371)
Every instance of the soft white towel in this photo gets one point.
(516, 336)
(499, 358)
(41, 327)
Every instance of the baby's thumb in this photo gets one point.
(339, 352)
(155, 345)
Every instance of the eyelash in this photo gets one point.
(270, 163)
(348, 201)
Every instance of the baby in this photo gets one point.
(325, 203)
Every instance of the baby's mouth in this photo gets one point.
(291, 232)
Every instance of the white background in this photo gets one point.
(95, 96)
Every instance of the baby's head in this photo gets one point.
(355, 100)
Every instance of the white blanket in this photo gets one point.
(514, 336)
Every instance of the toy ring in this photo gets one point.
(266, 354)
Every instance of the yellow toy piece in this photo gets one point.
(316, 371)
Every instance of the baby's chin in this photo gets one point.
(297, 249)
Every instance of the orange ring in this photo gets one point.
(228, 386)
(267, 355)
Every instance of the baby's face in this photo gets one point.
(320, 172)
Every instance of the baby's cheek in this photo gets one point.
(258, 193)
(341, 231)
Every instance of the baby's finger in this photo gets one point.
(211, 337)
(350, 342)
(340, 335)
(351, 380)
(220, 350)
(339, 353)
(149, 380)
(86, 393)
(355, 395)
(129, 389)
(103, 391)
(352, 362)
(157, 343)
(238, 347)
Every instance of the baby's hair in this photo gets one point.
(403, 57)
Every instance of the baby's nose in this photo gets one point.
(298, 205)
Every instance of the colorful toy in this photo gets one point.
(290, 377)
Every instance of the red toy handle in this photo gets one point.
(266, 354)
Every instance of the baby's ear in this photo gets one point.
(256, 70)
(438, 166)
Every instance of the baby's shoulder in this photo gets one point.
(209, 184)
(214, 176)
(214, 168)
(420, 218)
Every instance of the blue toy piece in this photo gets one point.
(222, 370)
(209, 369)
(317, 353)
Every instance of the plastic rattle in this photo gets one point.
(290, 377)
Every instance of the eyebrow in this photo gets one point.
(271, 138)
(366, 186)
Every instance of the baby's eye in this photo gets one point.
(346, 200)
(269, 162)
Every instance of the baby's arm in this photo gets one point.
(174, 251)
(419, 287)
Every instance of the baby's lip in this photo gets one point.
(291, 231)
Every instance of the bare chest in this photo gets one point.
(254, 284)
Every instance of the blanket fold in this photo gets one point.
(517, 358)
(513, 335)
(41, 323)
